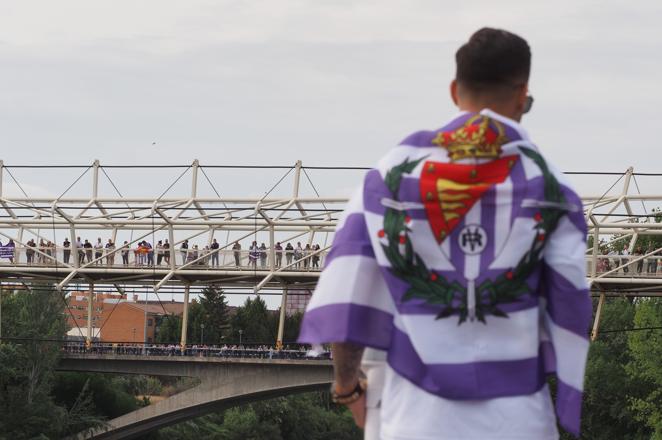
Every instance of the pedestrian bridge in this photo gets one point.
(224, 382)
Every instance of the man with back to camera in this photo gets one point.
(461, 260)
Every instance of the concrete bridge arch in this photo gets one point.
(224, 383)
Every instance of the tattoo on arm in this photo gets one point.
(346, 364)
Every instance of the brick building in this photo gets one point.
(130, 321)
(76, 316)
(115, 319)
(297, 300)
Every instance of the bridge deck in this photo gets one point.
(95, 357)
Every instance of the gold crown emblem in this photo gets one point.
(479, 137)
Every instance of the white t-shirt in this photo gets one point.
(410, 413)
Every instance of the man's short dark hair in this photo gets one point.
(493, 58)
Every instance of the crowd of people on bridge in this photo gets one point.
(629, 263)
(262, 351)
(142, 253)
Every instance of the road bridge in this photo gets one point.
(224, 382)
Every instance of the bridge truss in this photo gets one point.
(618, 216)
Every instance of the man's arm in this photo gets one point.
(346, 367)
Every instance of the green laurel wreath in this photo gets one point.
(424, 284)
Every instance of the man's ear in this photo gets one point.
(521, 98)
(453, 90)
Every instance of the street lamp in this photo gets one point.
(202, 334)
(240, 333)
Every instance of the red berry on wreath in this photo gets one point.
(537, 217)
(407, 219)
(403, 239)
(509, 275)
(433, 276)
(541, 237)
(381, 233)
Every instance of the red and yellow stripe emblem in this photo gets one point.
(449, 190)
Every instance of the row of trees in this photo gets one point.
(623, 391)
(300, 417)
(38, 402)
(212, 322)
(28, 408)
(623, 385)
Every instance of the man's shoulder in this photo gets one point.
(421, 138)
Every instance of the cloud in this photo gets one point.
(328, 82)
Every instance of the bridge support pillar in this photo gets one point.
(281, 321)
(90, 311)
(596, 321)
(182, 342)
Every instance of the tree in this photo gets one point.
(605, 413)
(168, 329)
(256, 322)
(645, 365)
(307, 416)
(292, 327)
(211, 312)
(31, 319)
(214, 315)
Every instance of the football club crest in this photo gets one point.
(449, 191)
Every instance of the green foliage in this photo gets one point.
(27, 408)
(606, 414)
(621, 398)
(211, 312)
(112, 396)
(214, 315)
(168, 329)
(645, 365)
(292, 327)
(301, 417)
(643, 243)
(257, 323)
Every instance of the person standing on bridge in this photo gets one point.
(253, 255)
(236, 250)
(183, 249)
(263, 255)
(289, 253)
(279, 254)
(12, 249)
(214, 249)
(98, 252)
(88, 250)
(29, 251)
(149, 251)
(159, 252)
(125, 253)
(66, 253)
(81, 251)
(460, 262)
(110, 253)
(166, 250)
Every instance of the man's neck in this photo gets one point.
(503, 110)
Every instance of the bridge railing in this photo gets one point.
(626, 265)
(26, 256)
(259, 352)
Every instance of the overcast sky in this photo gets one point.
(327, 82)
